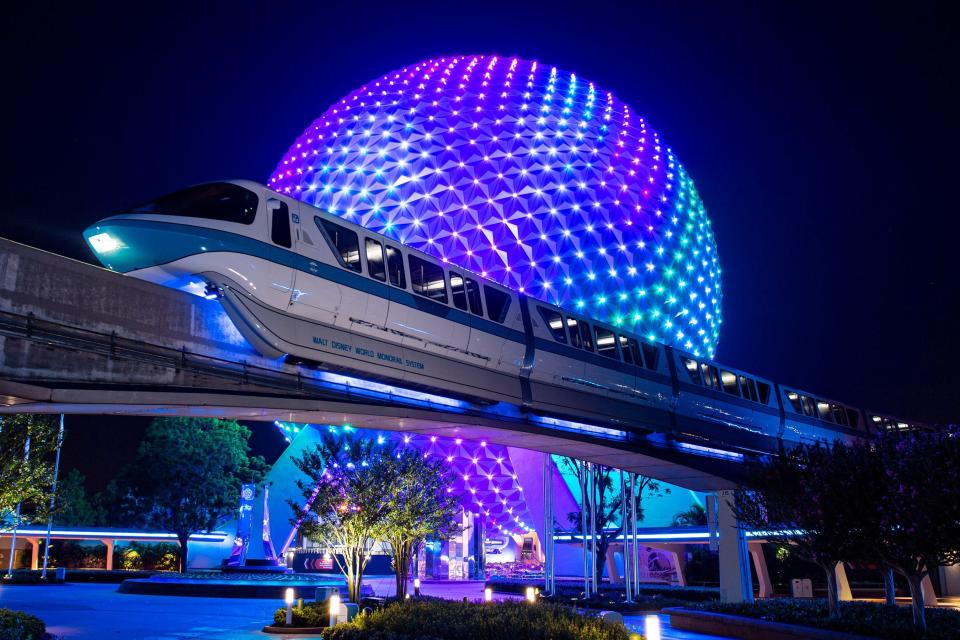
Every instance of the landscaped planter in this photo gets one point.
(722, 624)
(310, 631)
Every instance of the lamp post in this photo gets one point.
(651, 627)
(16, 517)
(488, 595)
(531, 595)
(416, 587)
(334, 609)
(288, 598)
(53, 501)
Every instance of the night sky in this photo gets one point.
(822, 140)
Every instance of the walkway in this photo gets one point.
(97, 611)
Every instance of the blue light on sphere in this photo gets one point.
(528, 175)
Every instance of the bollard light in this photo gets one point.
(531, 595)
(488, 595)
(416, 587)
(288, 598)
(651, 627)
(334, 609)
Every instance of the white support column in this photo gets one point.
(735, 582)
(929, 595)
(843, 585)
(109, 545)
(34, 553)
(680, 564)
(760, 564)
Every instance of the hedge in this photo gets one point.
(449, 620)
(17, 625)
(859, 618)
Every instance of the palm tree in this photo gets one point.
(695, 516)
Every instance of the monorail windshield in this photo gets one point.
(214, 201)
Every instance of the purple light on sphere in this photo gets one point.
(525, 174)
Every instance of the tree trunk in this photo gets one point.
(889, 588)
(832, 599)
(183, 539)
(401, 566)
(600, 559)
(916, 596)
(353, 576)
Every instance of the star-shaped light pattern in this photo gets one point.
(482, 475)
(529, 176)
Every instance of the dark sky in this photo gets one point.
(822, 139)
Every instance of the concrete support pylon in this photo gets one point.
(109, 545)
(843, 585)
(760, 565)
(736, 584)
(34, 553)
(929, 594)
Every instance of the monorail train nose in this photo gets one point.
(125, 244)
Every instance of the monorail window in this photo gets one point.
(651, 355)
(728, 382)
(555, 323)
(497, 303)
(839, 414)
(853, 418)
(426, 279)
(280, 226)
(375, 264)
(585, 336)
(748, 389)
(693, 369)
(473, 297)
(346, 243)
(794, 399)
(458, 291)
(808, 406)
(763, 392)
(631, 351)
(574, 329)
(216, 201)
(606, 343)
(710, 376)
(395, 267)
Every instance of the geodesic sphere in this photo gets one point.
(525, 174)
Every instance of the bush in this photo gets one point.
(447, 620)
(17, 625)
(862, 618)
(611, 593)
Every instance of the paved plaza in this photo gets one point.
(97, 611)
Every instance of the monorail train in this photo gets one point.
(304, 284)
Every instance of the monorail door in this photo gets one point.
(281, 216)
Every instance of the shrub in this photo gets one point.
(447, 620)
(610, 592)
(17, 625)
(863, 618)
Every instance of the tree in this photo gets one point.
(344, 505)
(26, 479)
(695, 516)
(918, 505)
(818, 496)
(418, 506)
(73, 509)
(606, 506)
(186, 476)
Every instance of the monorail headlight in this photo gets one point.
(104, 243)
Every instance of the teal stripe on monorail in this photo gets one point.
(171, 241)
